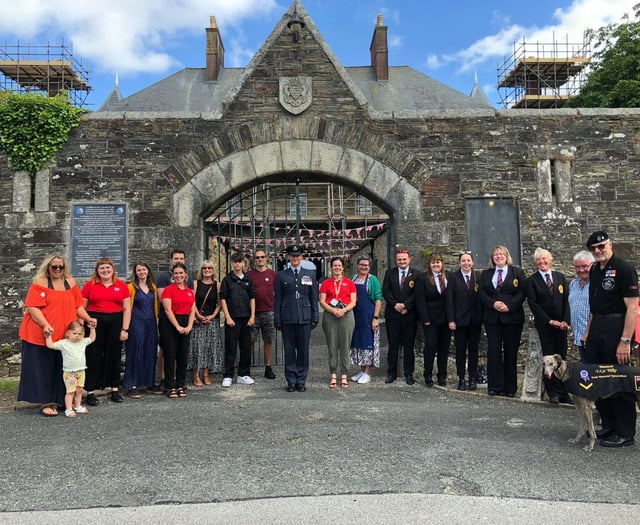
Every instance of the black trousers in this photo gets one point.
(176, 350)
(437, 338)
(295, 339)
(503, 341)
(553, 341)
(467, 340)
(617, 412)
(234, 336)
(401, 332)
(103, 355)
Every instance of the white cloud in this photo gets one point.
(123, 35)
(570, 26)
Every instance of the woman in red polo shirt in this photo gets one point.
(107, 300)
(338, 299)
(179, 305)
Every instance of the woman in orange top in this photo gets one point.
(53, 301)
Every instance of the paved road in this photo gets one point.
(375, 453)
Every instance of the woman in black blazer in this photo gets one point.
(502, 289)
(431, 292)
(464, 313)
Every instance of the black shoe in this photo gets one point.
(268, 373)
(410, 380)
(472, 385)
(390, 379)
(600, 434)
(567, 401)
(290, 387)
(616, 441)
(554, 400)
(442, 382)
(116, 397)
(510, 394)
(462, 385)
(301, 388)
(494, 393)
(428, 381)
(155, 389)
(92, 400)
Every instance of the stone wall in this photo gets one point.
(154, 162)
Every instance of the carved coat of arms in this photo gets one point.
(295, 93)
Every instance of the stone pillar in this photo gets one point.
(532, 389)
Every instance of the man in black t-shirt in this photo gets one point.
(613, 301)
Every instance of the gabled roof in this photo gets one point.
(407, 90)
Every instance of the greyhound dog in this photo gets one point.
(555, 365)
(589, 382)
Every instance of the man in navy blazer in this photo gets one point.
(296, 314)
(398, 287)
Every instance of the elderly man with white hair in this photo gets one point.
(548, 297)
(579, 298)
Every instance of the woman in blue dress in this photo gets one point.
(142, 344)
(365, 342)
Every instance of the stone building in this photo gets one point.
(447, 170)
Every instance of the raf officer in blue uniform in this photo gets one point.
(296, 314)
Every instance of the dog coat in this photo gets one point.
(601, 381)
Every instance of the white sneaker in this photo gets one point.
(245, 380)
(364, 378)
(356, 377)
(226, 382)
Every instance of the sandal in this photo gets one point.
(197, 381)
(172, 394)
(70, 412)
(48, 410)
(206, 380)
(181, 392)
(344, 383)
(333, 383)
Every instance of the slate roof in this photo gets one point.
(407, 90)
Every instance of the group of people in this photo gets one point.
(182, 317)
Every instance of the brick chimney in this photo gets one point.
(380, 51)
(215, 50)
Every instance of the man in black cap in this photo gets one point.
(296, 314)
(613, 301)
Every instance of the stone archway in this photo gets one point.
(229, 175)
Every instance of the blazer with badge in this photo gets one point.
(545, 306)
(394, 294)
(463, 303)
(430, 303)
(296, 300)
(512, 293)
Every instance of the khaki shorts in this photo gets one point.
(264, 325)
(73, 380)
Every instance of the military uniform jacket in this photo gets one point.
(296, 300)
(544, 305)
(463, 304)
(513, 293)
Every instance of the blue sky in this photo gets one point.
(142, 41)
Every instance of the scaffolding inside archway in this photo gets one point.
(325, 219)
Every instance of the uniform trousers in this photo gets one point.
(401, 332)
(437, 338)
(553, 341)
(618, 412)
(295, 339)
(338, 333)
(467, 340)
(503, 341)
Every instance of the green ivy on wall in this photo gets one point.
(34, 127)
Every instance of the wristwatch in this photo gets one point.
(375, 317)
(625, 340)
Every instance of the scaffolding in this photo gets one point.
(543, 76)
(44, 69)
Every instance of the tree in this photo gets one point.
(34, 127)
(614, 80)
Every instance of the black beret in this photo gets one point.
(599, 236)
